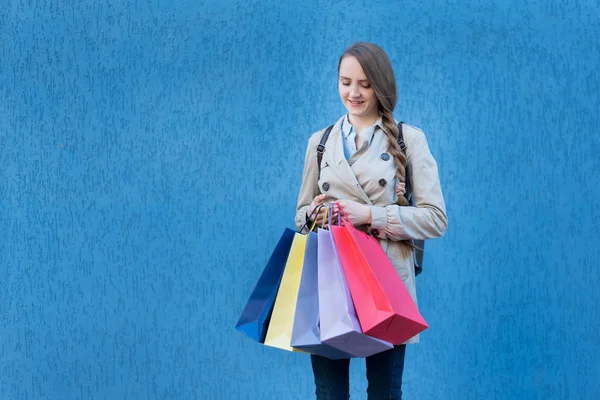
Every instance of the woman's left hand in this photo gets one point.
(359, 214)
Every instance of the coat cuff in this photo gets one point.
(386, 222)
(378, 221)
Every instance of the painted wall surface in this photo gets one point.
(150, 157)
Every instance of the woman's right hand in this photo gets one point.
(318, 201)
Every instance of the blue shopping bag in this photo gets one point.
(254, 320)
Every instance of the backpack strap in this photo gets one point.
(321, 146)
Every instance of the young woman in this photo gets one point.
(363, 171)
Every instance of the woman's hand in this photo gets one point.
(320, 201)
(359, 214)
(317, 201)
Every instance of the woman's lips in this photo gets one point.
(355, 103)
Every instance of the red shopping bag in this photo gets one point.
(384, 306)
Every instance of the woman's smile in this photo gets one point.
(355, 103)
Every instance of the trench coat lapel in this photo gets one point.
(337, 160)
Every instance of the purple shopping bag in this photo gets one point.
(306, 333)
(339, 324)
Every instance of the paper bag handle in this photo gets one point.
(339, 222)
(346, 217)
(316, 209)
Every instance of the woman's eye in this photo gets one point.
(366, 86)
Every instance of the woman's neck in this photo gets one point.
(361, 123)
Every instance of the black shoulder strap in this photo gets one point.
(401, 137)
(321, 146)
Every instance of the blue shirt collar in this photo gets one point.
(347, 127)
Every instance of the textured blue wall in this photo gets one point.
(151, 154)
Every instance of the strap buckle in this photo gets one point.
(402, 144)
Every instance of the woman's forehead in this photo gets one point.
(350, 68)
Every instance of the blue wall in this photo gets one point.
(151, 154)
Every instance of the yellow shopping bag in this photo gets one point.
(279, 333)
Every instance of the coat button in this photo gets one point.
(385, 156)
(325, 186)
(382, 182)
(374, 232)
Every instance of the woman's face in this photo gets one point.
(355, 90)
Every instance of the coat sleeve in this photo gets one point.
(427, 218)
(309, 188)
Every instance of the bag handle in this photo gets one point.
(312, 228)
(346, 217)
(325, 217)
(331, 215)
(316, 209)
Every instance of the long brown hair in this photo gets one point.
(379, 72)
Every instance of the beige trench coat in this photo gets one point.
(370, 179)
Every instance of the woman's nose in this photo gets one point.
(354, 91)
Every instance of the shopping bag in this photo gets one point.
(384, 306)
(339, 324)
(306, 334)
(279, 332)
(255, 317)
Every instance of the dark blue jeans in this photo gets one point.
(384, 374)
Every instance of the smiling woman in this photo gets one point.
(363, 171)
